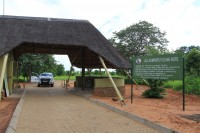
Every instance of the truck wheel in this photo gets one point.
(51, 85)
(38, 85)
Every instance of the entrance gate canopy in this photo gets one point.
(75, 38)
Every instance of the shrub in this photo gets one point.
(155, 91)
(159, 93)
(192, 85)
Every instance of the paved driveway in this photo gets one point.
(54, 110)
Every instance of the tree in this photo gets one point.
(185, 49)
(138, 38)
(191, 54)
(193, 61)
(37, 63)
(60, 70)
(142, 38)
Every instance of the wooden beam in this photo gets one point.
(3, 63)
(10, 76)
(111, 80)
(5, 83)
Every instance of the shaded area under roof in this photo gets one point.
(58, 36)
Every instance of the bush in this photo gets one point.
(155, 91)
(192, 85)
(159, 93)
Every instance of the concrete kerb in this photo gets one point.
(146, 122)
(14, 120)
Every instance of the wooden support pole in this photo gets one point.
(10, 73)
(3, 63)
(83, 69)
(183, 85)
(5, 83)
(113, 83)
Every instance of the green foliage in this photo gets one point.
(71, 72)
(155, 91)
(159, 93)
(193, 62)
(120, 72)
(22, 79)
(192, 85)
(185, 49)
(154, 84)
(64, 78)
(178, 86)
(139, 39)
(32, 64)
(175, 84)
(37, 63)
(192, 58)
(168, 84)
(60, 70)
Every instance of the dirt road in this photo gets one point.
(54, 110)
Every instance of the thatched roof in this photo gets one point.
(58, 36)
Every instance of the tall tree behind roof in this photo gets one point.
(137, 38)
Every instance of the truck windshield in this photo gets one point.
(45, 74)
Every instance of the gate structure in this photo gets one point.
(75, 38)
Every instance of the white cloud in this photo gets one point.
(64, 59)
(180, 19)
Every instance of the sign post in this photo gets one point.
(183, 90)
(160, 67)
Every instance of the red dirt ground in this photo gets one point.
(7, 107)
(167, 112)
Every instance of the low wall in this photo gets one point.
(105, 82)
(108, 91)
(89, 81)
(104, 88)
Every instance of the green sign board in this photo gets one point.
(163, 67)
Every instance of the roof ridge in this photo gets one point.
(41, 18)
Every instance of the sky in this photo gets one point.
(180, 19)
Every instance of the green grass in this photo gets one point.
(192, 85)
(64, 77)
(174, 84)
